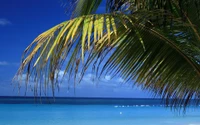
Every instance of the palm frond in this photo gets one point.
(188, 10)
(162, 60)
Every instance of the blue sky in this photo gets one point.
(23, 20)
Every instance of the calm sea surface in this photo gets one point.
(90, 113)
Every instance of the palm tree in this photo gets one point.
(155, 42)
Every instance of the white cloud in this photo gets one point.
(4, 22)
(120, 80)
(61, 73)
(3, 63)
(107, 77)
(89, 78)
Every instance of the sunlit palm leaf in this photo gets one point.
(139, 48)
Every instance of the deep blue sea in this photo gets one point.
(20, 111)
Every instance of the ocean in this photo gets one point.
(92, 111)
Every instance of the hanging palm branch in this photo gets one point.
(155, 47)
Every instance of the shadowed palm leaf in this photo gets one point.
(156, 44)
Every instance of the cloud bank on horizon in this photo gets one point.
(90, 86)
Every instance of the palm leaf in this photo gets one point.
(141, 50)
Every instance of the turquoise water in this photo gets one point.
(57, 114)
